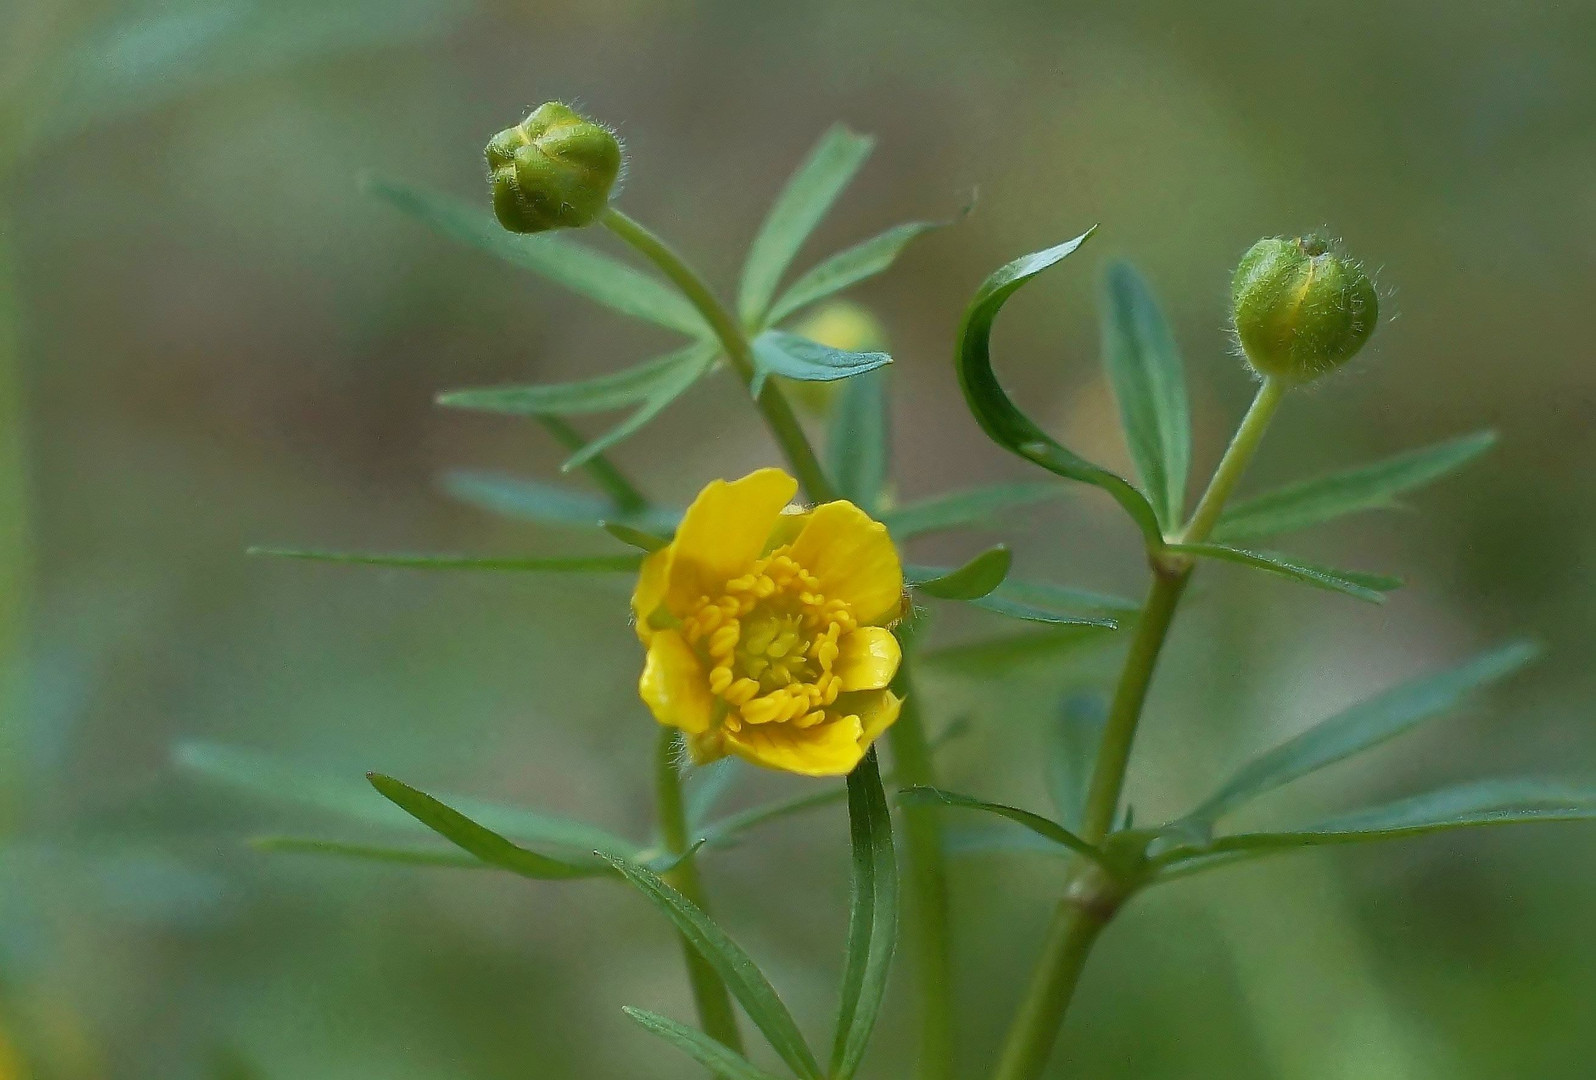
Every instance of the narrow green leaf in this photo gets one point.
(563, 261)
(1063, 597)
(480, 841)
(603, 472)
(1071, 753)
(390, 853)
(726, 830)
(652, 406)
(848, 267)
(797, 210)
(1362, 727)
(1461, 806)
(351, 798)
(637, 538)
(1041, 826)
(1369, 487)
(973, 580)
(989, 657)
(572, 564)
(1018, 609)
(997, 840)
(1367, 587)
(961, 508)
(998, 416)
(548, 504)
(1150, 385)
(872, 918)
(600, 394)
(720, 1060)
(858, 443)
(741, 975)
(776, 352)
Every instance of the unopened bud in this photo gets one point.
(1301, 309)
(553, 170)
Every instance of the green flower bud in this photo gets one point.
(553, 170)
(1300, 309)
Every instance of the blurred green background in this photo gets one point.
(222, 343)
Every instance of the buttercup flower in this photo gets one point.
(767, 629)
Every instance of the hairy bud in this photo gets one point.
(1300, 309)
(553, 170)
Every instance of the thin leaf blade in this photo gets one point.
(563, 261)
(973, 580)
(572, 564)
(777, 352)
(1363, 727)
(958, 509)
(1036, 823)
(1071, 753)
(721, 1060)
(1149, 383)
(872, 920)
(526, 499)
(401, 855)
(858, 441)
(797, 210)
(1368, 487)
(1370, 588)
(998, 416)
(702, 358)
(848, 267)
(600, 394)
(742, 976)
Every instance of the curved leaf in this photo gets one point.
(1150, 385)
(776, 352)
(848, 267)
(872, 919)
(1356, 584)
(1363, 726)
(1368, 487)
(973, 580)
(998, 416)
(563, 261)
(1041, 826)
(797, 210)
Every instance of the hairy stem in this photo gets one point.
(928, 887)
(778, 414)
(715, 1013)
(1093, 899)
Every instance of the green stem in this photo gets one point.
(1093, 897)
(1236, 459)
(715, 1013)
(928, 887)
(778, 414)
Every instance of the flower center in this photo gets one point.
(769, 642)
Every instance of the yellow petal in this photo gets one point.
(830, 748)
(723, 532)
(868, 659)
(854, 559)
(877, 710)
(650, 591)
(674, 685)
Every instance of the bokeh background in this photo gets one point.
(221, 342)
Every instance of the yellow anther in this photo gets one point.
(765, 709)
(720, 677)
(724, 640)
(740, 691)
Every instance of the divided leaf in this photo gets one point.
(739, 972)
(847, 268)
(1356, 584)
(998, 416)
(1369, 487)
(1362, 727)
(700, 358)
(797, 210)
(1149, 382)
(563, 261)
(777, 352)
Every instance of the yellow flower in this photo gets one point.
(767, 630)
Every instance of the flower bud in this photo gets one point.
(553, 170)
(1300, 309)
